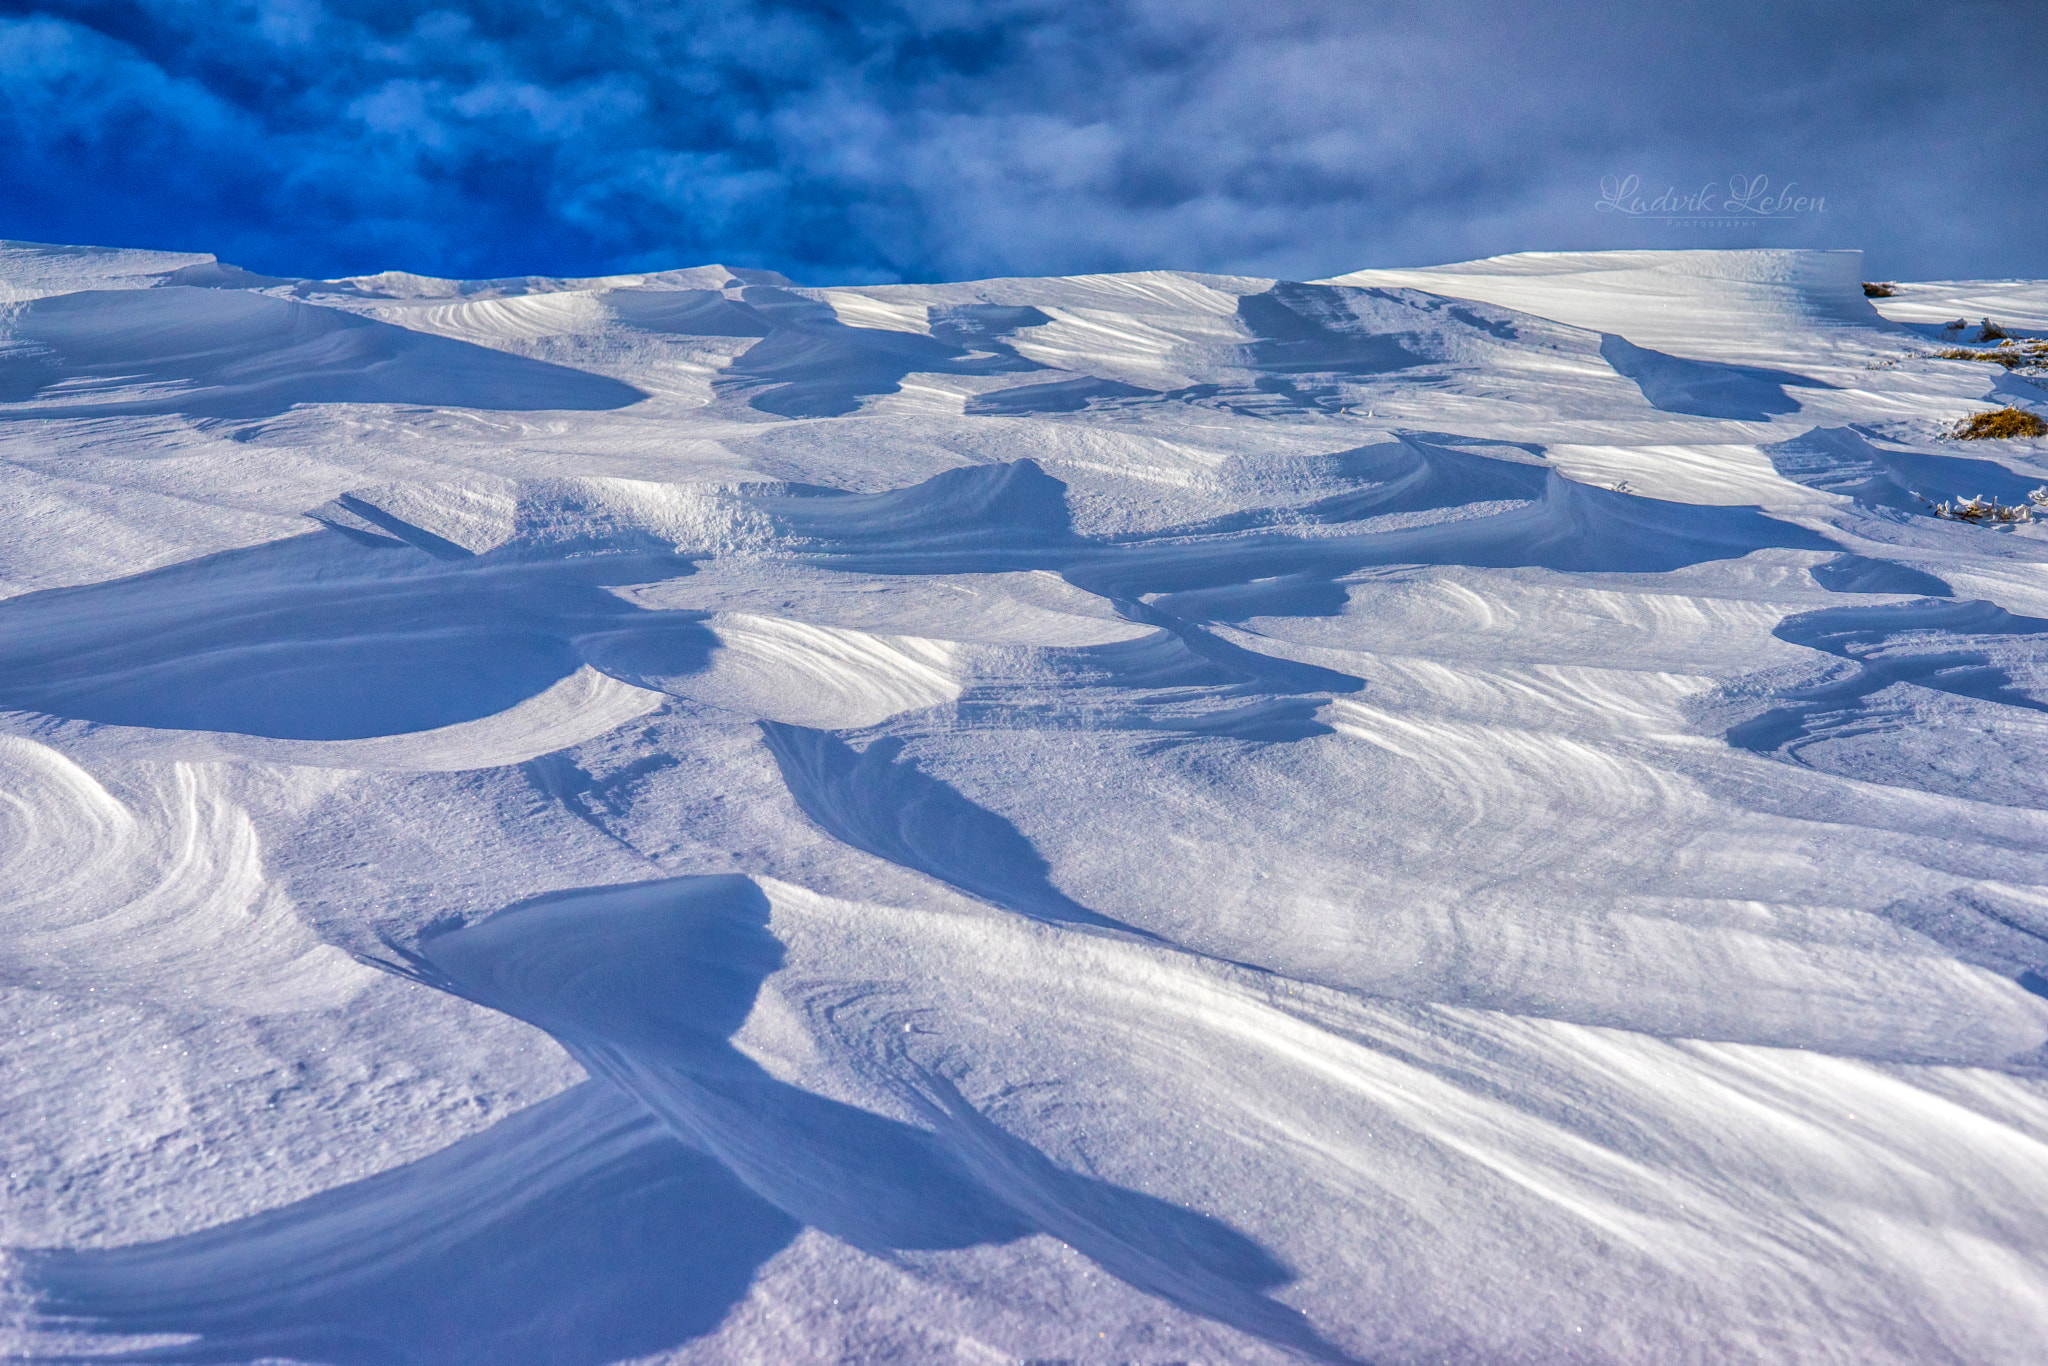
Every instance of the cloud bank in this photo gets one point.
(933, 139)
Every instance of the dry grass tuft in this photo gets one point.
(1879, 290)
(2011, 357)
(1987, 330)
(1983, 511)
(2000, 423)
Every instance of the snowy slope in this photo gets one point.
(1453, 815)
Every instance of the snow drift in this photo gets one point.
(1469, 814)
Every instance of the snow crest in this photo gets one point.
(1462, 814)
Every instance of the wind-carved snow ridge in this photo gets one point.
(1467, 814)
(876, 802)
(160, 894)
(979, 509)
(216, 353)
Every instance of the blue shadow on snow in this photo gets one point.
(1943, 645)
(230, 354)
(322, 638)
(879, 802)
(576, 1232)
(1700, 388)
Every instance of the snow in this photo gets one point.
(1467, 814)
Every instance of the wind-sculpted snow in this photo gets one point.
(1845, 461)
(970, 511)
(1705, 388)
(644, 983)
(1471, 814)
(876, 801)
(221, 353)
(1969, 671)
(795, 672)
(1710, 301)
(815, 365)
(159, 890)
(580, 1231)
(319, 639)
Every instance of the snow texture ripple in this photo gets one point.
(1461, 815)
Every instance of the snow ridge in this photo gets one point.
(1462, 814)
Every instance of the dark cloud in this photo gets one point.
(923, 139)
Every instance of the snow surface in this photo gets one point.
(1459, 815)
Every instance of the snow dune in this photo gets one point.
(1468, 814)
(158, 893)
(1702, 301)
(101, 353)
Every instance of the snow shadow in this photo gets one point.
(983, 327)
(1406, 475)
(988, 518)
(1190, 678)
(1841, 460)
(1567, 527)
(1237, 665)
(1847, 573)
(970, 517)
(1965, 649)
(1061, 396)
(1316, 329)
(882, 804)
(1279, 595)
(229, 354)
(644, 983)
(581, 1230)
(351, 633)
(323, 638)
(686, 313)
(575, 1233)
(1180, 683)
(1306, 343)
(809, 363)
(1986, 925)
(1699, 388)
(1309, 341)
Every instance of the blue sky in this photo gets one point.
(941, 139)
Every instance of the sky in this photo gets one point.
(887, 140)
